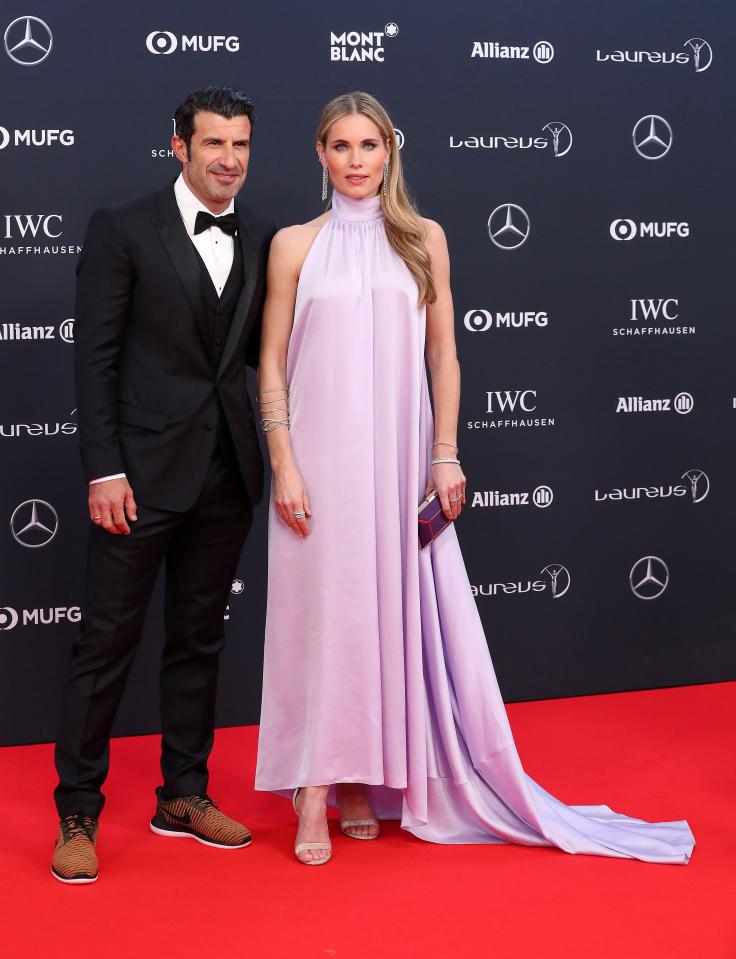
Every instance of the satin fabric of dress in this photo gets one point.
(376, 665)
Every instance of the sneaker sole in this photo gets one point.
(74, 882)
(169, 833)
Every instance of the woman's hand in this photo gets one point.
(289, 497)
(449, 481)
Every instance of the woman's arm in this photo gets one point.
(284, 263)
(446, 478)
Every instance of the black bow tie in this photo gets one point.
(227, 223)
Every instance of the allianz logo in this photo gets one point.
(480, 321)
(17, 332)
(682, 403)
(16, 430)
(556, 583)
(542, 497)
(697, 486)
(10, 617)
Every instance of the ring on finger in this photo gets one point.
(300, 514)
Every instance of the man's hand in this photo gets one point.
(109, 503)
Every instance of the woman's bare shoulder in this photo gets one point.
(292, 242)
(433, 232)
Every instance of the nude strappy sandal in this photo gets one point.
(346, 824)
(302, 846)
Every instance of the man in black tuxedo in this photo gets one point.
(170, 289)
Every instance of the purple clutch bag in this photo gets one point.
(431, 519)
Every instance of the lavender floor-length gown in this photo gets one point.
(376, 664)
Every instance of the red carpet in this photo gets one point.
(666, 754)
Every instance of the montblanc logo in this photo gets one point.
(558, 136)
(165, 42)
(36, 227)
(517, 402)
(682, 403)
(17, 430)
(663, 311)
(542, 51)
(357, 45)
(28, 41)
(17, 332)
(698, 52)
(481, 321)
(542, 497)
(554, 580)
(10, 617)
(695, 488)
(35, 138)
(624, 229)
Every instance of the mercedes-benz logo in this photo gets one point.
(559, 579)
(699, 484)
(702, 53)
(34, 523)
(561, 137)
(649, 577)
(8, 617)
(238, 587)
(508, 226)
(652, 136)
(28, 41)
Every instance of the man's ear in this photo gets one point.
(180, 149)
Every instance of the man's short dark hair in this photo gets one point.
(224, 101)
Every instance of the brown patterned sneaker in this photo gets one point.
(197, 817)
(75, 859)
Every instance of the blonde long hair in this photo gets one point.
(404, 227)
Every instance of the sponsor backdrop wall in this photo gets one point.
(580, 160)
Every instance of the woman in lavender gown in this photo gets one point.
(379, 694)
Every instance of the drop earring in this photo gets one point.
(324, 183)
(385, 179)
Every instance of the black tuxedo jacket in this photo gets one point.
(149, 389)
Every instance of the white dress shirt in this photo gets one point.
(215, 247)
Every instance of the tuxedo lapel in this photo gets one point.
(173, 234)
(249, 250)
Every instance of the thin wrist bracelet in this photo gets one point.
(442, 443)
(446, 459)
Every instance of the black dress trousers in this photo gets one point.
(200, 549)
